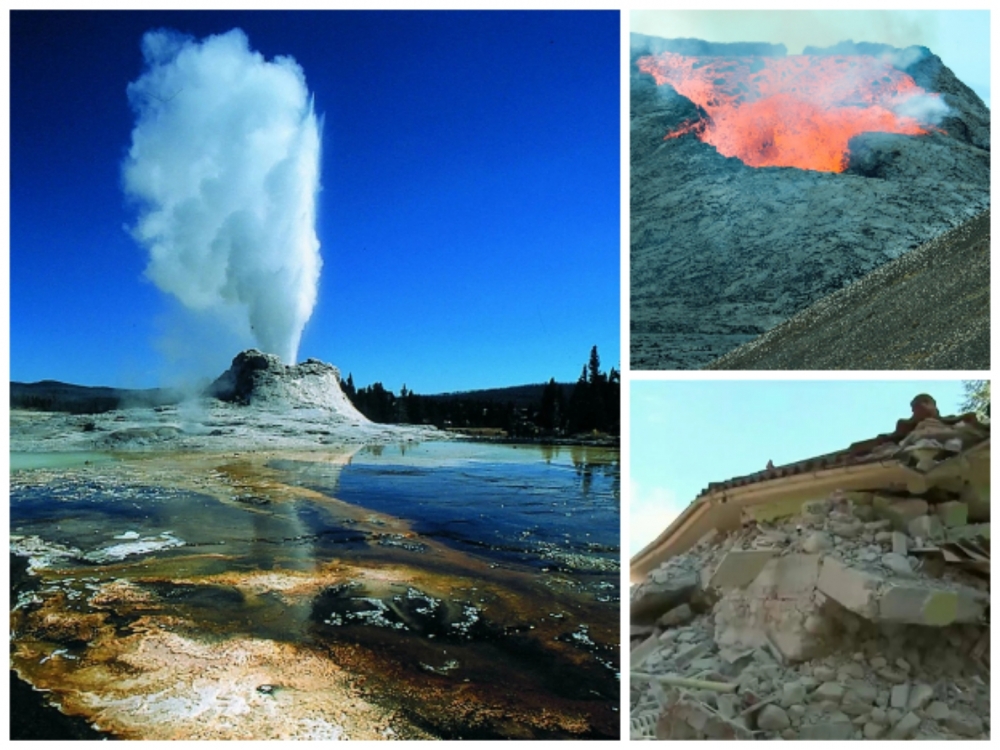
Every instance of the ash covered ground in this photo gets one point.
(722, 252)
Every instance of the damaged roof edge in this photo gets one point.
(722, 506)
(686, 525)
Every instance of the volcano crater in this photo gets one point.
(722, 252)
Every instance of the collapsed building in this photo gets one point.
(845, 596)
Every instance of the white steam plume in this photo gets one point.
(924, 108)
(224, 165)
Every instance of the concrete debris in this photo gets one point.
(938, 711)
(899, 543)
(739, 567)
(925, 527)
(641, 631)
(872, 731)
(920, 696)
(899, 695)
(829, 691)
(899, 512)
(898, 564)
(773, 719)
(967, 725)
(841, 729)
(818, 541)
(676, 616)
(829, 624)
(668, 588)
(953, 513)
(906, 727)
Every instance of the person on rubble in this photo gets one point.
(923, 406)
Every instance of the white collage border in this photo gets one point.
(627, 374)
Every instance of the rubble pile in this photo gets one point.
(862, 616)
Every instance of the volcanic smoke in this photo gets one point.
(798, 111)
(224, 165)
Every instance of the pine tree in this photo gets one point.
(550, 412)
(594, 366)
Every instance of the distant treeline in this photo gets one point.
(52, 395)
(590, 405)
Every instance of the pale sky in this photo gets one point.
(686, 434)
(960, 38)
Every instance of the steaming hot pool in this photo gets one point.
(452, 590)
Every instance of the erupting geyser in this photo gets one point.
(797, 111)
(224, 165)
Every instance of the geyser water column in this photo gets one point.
(224, 167)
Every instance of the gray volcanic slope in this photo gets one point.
(722, 252)
(927, 310)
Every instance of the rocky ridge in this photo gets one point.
(722, 252)
(840, 622)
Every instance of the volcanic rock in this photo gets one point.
(260, 379)
(926, 310)
(723, 252)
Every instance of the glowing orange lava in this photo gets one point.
(797, 111)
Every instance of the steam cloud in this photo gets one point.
(923, 107)
(224, 165)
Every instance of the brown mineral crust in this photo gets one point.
(467, 709)
(52, 621)
(119, 592)
(157, 657)
(162, 677)
(174, 687)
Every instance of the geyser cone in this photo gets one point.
(260, 379)
(797, 111)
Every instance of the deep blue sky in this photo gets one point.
(469, 215)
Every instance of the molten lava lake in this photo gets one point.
(799, 111)
(437, 590)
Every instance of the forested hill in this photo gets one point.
(53, 395)
(591, 405)
(519, 395)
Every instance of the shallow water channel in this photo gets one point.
(455, 590)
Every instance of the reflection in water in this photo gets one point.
(19, 461)
(473, 589)
(548, 452)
